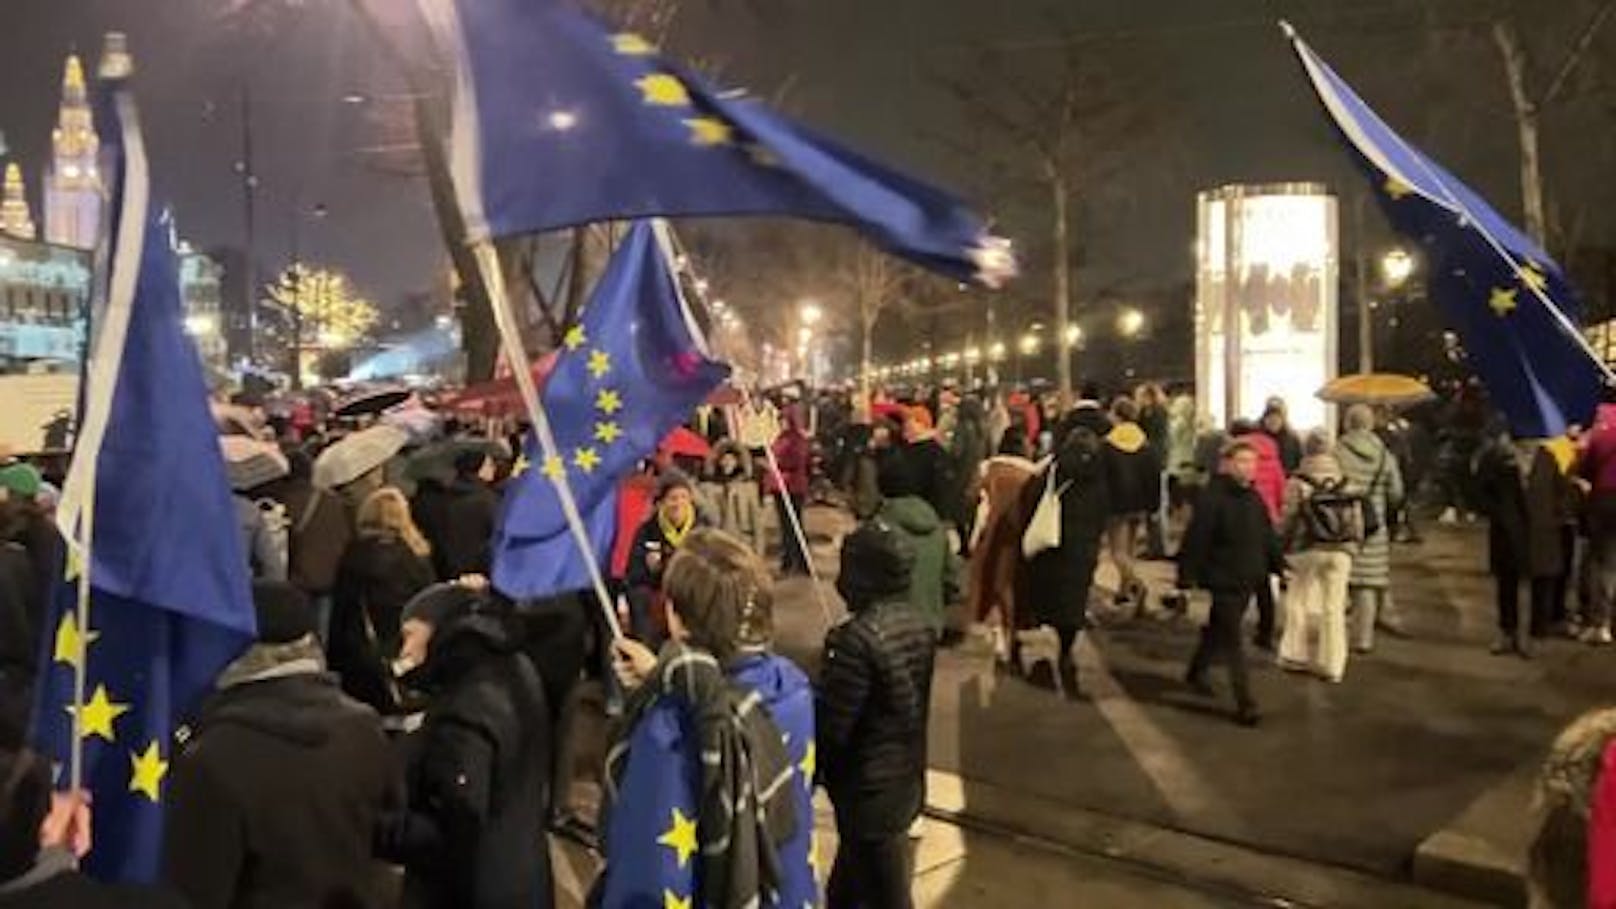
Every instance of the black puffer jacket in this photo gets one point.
(870, 723)
(1230, 543)
(273, 800)
(479, 775)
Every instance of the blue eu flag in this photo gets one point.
(625, 377)
(147, 513)
(1510, 303)
(561, 121)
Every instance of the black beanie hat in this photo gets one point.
(284, 612)
(877, 564)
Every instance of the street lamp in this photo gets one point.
(1397, 266)
(1131, 322)
(811, 313)
(1074, 334)
(1028, 345)
(996, 352)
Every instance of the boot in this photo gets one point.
(1523, 640)
(1068, 680)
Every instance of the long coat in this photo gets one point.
(996, 553)
(735, 497)
(1372, 472)
(377, 576)
(1056, 582)
(1526, 515)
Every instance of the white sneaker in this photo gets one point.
(1449, 515)
(1597, 637)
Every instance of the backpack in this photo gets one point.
(1332, 516)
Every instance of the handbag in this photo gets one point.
(1044, 530)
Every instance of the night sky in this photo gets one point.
(1233, 105)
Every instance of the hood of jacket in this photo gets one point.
(1127, 437)
(298, 709)
(457, 647)
(911, 514)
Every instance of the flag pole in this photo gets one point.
(672, 249)
(511, 340)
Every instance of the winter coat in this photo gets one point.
(378, 575)
(1230, 544)
(1372, 472)
(1056, 582)
(1289, 446)
(1598, 462)
(871, 708)
(735, 497)
(322, 524)
(1132, 471)
(1153, 419)
(996, 552)
(932, 471)
(1571, 861)
(273, 800)
(794, 455)
(264, 536)
(936, 571)
(1602, 834)
(1525, 514)
(1270, 479)
(1181, 432)
(55, 883)
(967, 448)
(429, 508)
(1311, 473)
(478, 779)
(466, 546)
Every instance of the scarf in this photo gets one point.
(744, 809)
(675, 533)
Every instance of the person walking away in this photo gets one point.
(934, 580)
(469, 515)
(1323, 524)
(871, 719)
(713, 721)
(998, 420)
(1155, 421)
(1230, 549)
(882, 445)
(471, 831)
(386, 565)
(733, 489)
(274, 798)
(990, 589)
(1572, 858)
(322, 527)
(1276, 424)
(967, 448)
(671, 522)
(1371, 472)
(1597, 467)
(1057, 581)
(1526, 499)
(1133, 481)
(794, 457)
(930, 468)
(1269, 483)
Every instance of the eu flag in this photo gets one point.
(148, 515)
(1510, 303)
(625, 377)
(561, 121)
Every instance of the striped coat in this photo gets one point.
(1371, 471)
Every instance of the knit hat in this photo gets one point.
(672, 479)
(284, 613)
(438, 603)
(20, 479)
(877, 564)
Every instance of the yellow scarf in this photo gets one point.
(675, 534)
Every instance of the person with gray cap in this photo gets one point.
(871, 710)
(276, 793)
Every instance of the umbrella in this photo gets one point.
(683, 443)
(375, 400)
(1379, 388)
(251, 463)
(436, 461)
(353, 456)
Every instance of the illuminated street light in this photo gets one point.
(1074, 334)
(973, 355)
(1028, 345)
(811, 313)
(200, 325)
(1397, 266)
(951, 360)
(1131, 322)
(996, 352)
(805, 336)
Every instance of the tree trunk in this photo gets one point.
(1063, 281)
(1527, 120)
(868, 313)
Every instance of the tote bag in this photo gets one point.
(1044, 530)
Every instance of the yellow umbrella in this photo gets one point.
(1383, 389)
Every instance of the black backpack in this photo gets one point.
(1330, 515)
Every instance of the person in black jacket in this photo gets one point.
(274, 797)
(472, 835)
(469, 515)
(870, 719)
(658, 539)
(1229, 549)
(1133, 472)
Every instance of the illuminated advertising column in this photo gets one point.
(1267, 263)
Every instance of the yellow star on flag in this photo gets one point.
(555, 467)
(99, 714)
(586, 459)
(70, 645)
(575, 338)
(146, 771)
(1532, 276)
(608, 402)
(681, 837)
(600, 363)
(607, 432)
(663, 90)
(671, 900)
(631, 45)
(1503, 300)
(810, 762)
(1397, 189)
(520, 467)
(709, 131)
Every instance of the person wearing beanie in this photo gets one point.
(469, 833)
(662, 534)
(275, 795)
(20, 479)
(871, 714)
(934, 581)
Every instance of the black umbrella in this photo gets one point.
(369, 402)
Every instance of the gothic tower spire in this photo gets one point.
(15, 219)
(73, 182)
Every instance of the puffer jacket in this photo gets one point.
(936, 572)
(1133, 470)
(1230, 544)
(871, 710)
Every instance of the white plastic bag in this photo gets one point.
(1044, 530)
